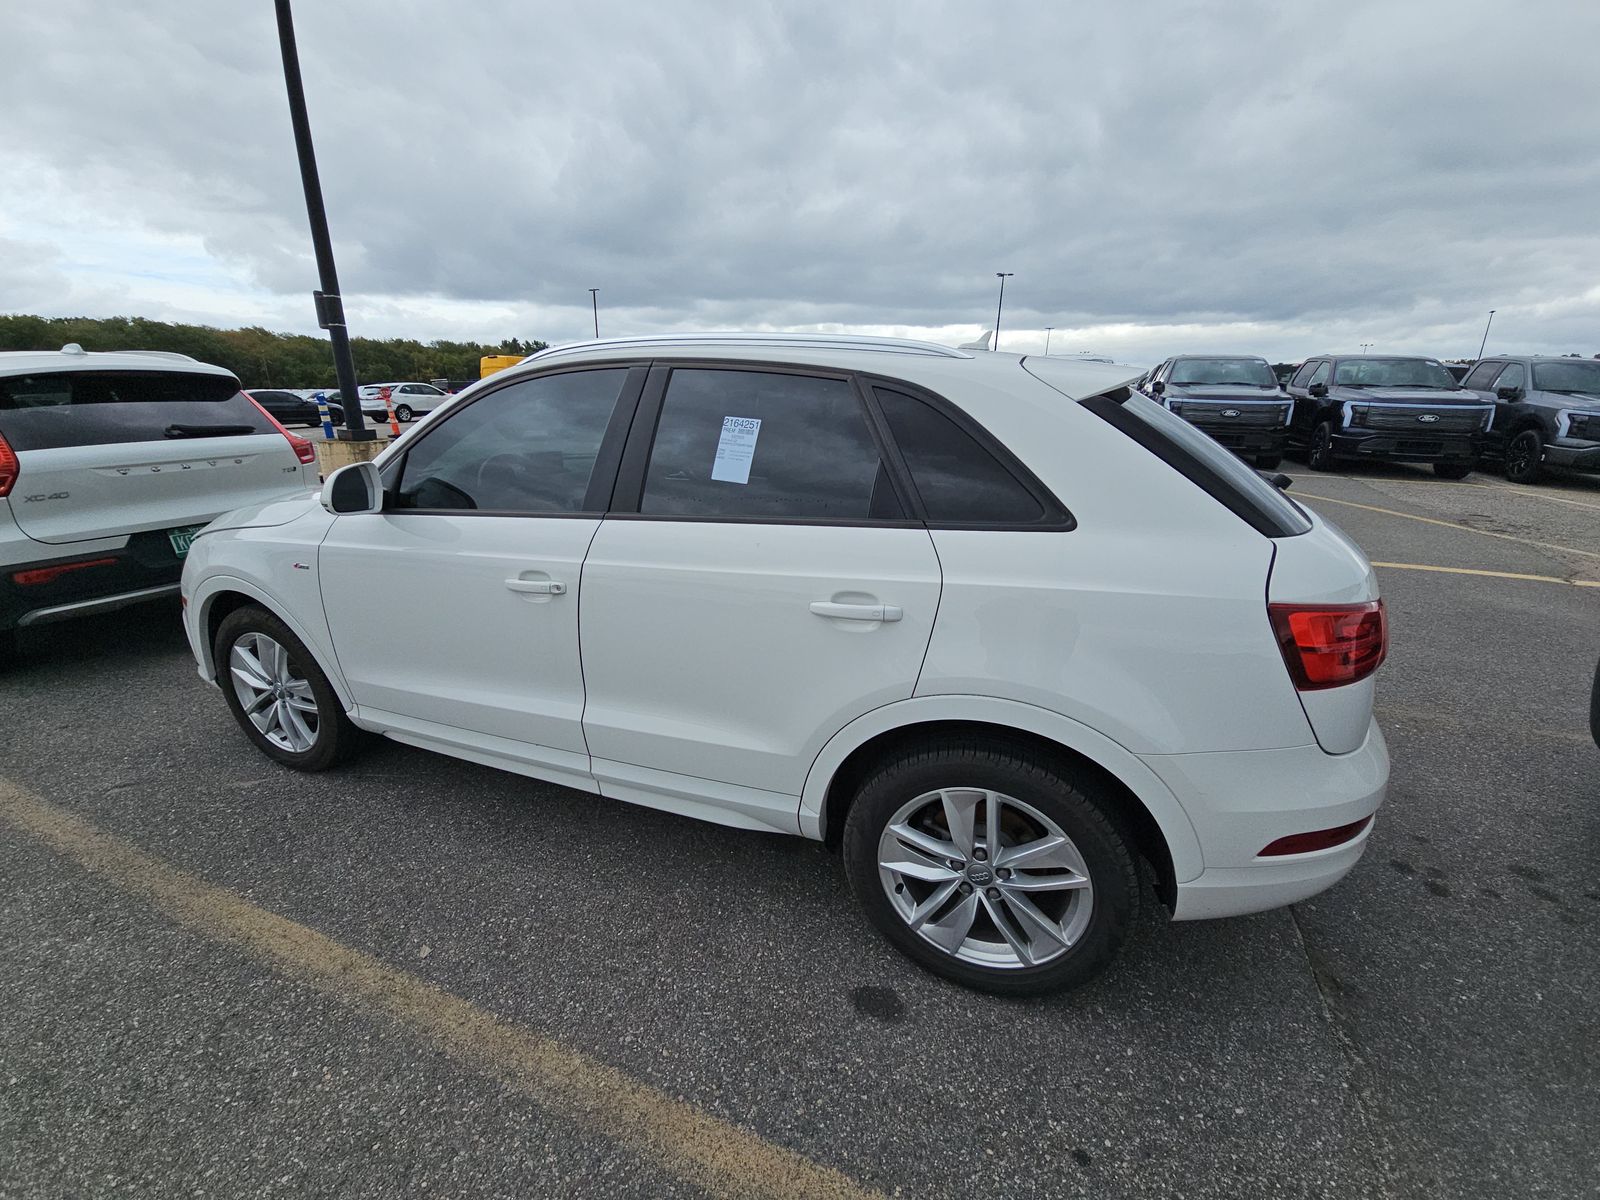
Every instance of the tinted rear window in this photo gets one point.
(1204, 463)
(93, 408)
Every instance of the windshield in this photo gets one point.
(1575, 376)
(1251, 371)
(1392, 372)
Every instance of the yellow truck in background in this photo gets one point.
(490, 363)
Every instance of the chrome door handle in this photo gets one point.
(537, 587)
(856, 612)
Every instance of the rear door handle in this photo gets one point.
(856, 612)
(537, 587)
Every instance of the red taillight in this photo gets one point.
(1321, 839)
(1329, 645)
(303, 450)
(9, 467)
(50, 574)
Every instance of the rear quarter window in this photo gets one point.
(51, 410)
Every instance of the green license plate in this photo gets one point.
(182, 539)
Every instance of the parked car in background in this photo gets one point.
(409, 400)
(966, 616)
(1385, 407)
(109, 466)
(1234, 398)
(1546, 413)
(452, 385)
(293, 408)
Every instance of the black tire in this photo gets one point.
(403, 414)
(1525, 456)
(336, 739)
(1452, 470)
(1071, 803)
(1319, 454)
(1269, 462)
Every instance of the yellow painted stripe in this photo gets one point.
(1528, 493)
(1594, 583)
(1505, 537)
(708, 1153)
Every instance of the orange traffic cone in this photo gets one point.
(394, 426)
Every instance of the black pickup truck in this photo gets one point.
(1367, 406)
(1234, 398)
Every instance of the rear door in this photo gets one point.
(107, 453)
(768, 588)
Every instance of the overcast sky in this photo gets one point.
(1280, 178)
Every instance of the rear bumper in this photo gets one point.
(1576, 457)
(145, 569)
(1407, 447)
(1240, 801)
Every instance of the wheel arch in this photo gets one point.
(221, 595)
(1160, 828)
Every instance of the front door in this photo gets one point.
(454, 612)
(769, 590)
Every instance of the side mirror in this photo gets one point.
(353, 489)
(1318, 390)
(1509, 393)
(1158, 387)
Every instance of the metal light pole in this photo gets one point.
(1486, 325)
(1003, 275)
(330, 305)
(1365, 346)
(594, 302)
(1047, 330)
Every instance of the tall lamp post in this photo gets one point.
(1047, 330)
(1003, 276)
(330, 305)
(594, 303)
(1486, 325)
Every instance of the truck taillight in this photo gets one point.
(1330, 645)
(9, 467)
(303, 450)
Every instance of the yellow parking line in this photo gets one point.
(1525, 492)
(1594, 583)
(708, 1153)
(1507, 537)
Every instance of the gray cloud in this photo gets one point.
(1295, 175)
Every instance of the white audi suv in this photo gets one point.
(996, 626)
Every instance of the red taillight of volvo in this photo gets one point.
(1330, 645)
(303, 450)
(9, 468)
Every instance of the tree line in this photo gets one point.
(259, 357)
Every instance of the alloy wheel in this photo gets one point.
(1520, 454)
(278, 701)
(985, 877)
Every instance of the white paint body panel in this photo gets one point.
(426, 627)
(702, 656)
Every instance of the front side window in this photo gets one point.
(1320, 375)
(755, 444)
(1480, 375)
(1515, 375)
(1302, 376)
(1394, 372)
(528, 448)
(959, 481)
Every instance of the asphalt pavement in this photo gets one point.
(419, 976)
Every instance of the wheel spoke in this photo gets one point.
(926, 843)
(260, 702)
(960, 810)
(1044, 883)
(1049, 851)
(295, 728)
(301, 704)
(248, 667)
(914, 864)
(919, 915)
(991, 825)
(1002, 922)
(1032, 920)
(949, 933)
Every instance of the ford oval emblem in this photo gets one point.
(1429, 417)
(1230, 412)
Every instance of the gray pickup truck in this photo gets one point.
(1234, 398)
(1546, 413)
(1383, 407)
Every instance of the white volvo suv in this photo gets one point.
(109, 465)
(995, 625)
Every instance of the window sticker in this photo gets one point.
(735, 449)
